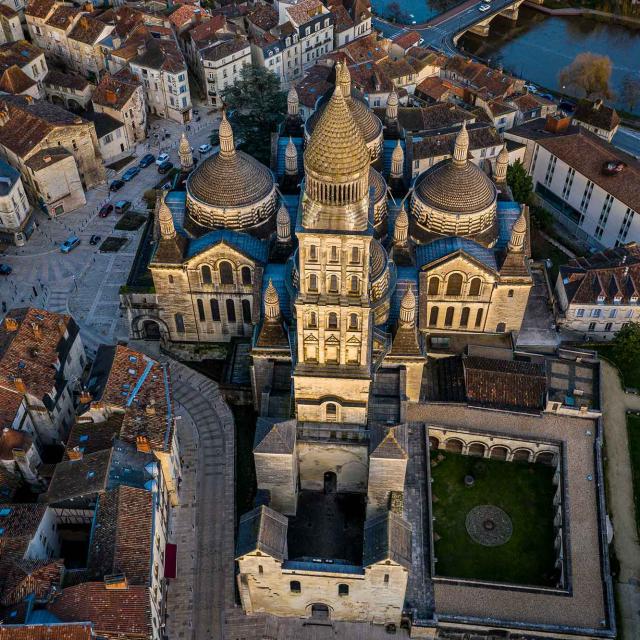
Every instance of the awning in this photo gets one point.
(170, 560)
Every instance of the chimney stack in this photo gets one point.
(10, 324)
(75, 453)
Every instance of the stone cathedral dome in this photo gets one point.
(230, 190)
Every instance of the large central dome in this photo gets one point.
(231, 190)
(455, 198)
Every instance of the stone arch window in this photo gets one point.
(499, 453)
(246, 311)
(226, 272)
(522, 455)
(294, 586)
(477, 449)
(245, 274)
(545, 457)
(205, 274)
(343, 590)
(454, 284)
(353, 321)
(332, 321)
(454, 445)
(501, 327)
(179, 320)
(313, 282)
(474, 286)
(260, 569)
(313, 320)
(434, 443)
(331, 412)
(433, 317)
(448, 317)
(200, 305)
(386, 578)
(355, 255)
(333, 284)
(434, 286)
(510, 293)
(479, 319)
(170, 279)
(215, 310)
(355, 284)
(464, 317)
(231, 310)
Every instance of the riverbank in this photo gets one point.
(559, 10)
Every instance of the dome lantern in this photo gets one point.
(184, 152)
(461, 149)
(291, 159)
(397, 162)
(408, 309)
(502, 163)
(283, 225)
(343, 79)
(225, 133)
(401, 227)
(391, 111)
(293, 103)
(271, 303)
(165, 219)
(518, 233)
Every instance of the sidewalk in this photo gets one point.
(620, 498)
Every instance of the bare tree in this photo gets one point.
(588, 74)
(630, 94)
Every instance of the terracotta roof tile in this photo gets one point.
(115, 91)
(87, 30)
(304, 11)
(20, 53)
(39, 8)
(14, 80)
(81, 631)
(66, 80)
(596, 114)
(62, 17)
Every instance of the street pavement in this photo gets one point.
(86, 282)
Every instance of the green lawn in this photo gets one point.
(524, 491)
(633, 429)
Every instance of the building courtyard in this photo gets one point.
(493, 519)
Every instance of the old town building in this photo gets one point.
(15, 210)
(23, 69)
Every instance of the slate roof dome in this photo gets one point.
(457, 185)
(230, 190)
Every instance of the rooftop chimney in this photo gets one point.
(21, 387)
(116, 581)
(37, 331)
(85, 397)
(75, 453)
(557, 123)
(110, 96)
(142, 444)
(10, 324)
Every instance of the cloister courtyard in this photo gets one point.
(493, 519)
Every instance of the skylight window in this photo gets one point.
(133, 359)
(5, 511)
(91, 474)
(83, 438)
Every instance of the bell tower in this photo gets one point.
(333, 369)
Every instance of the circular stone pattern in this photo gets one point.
(488, 525)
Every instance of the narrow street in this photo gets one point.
(620, 498)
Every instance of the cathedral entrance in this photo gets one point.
(320, 611)
(330, 482)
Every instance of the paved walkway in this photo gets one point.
(203, 525)
(620, 498)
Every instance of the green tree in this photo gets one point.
(589, 75)
(626, 346)
(630, 93)
(258, 107)
(520, 182)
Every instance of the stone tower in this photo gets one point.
(333, 372)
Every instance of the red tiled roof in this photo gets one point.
(62, 17)
(39, 8)
(15, 81)
(407, 39)
(72, 631)
(305, 10)
(113, 612)
(115, 91)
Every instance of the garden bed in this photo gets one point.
(112, 244)
(130, 221)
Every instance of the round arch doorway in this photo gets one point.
(320, 611)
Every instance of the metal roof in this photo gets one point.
(244, 243)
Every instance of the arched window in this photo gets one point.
(355, 255)
(434, 286)
(454, 284)
(226, 273)
(231, 311)
(343, 590)
(246, 311)
(333, 321)
(245, 272)
(205, 274)
(331, 412)
(464, 317)
(433, 317)
(479, 318)
(353, 321)
(215, 310)
(170, 279)
(510, 293)
(179, 320)
(355, 284)
(448, 317)
(501, 328)
(313, 253)
(260, 569)
(333, 284)
(334, 254)
(313, 320)
(294, 586)
(313, 282)
(200, 310)
(474, 286)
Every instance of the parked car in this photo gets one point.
(147, 160)
(69, 244)
(130, 174)
(105, 210)
(94, 240)
(484, 7)
(546, 96)
(122, 206)
(165, 167)
(5, 270)
(116, 185)
(163, 157)
(531, 88)
(204, 148)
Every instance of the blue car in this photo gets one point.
(147, 161)
(69, 244)
(130, 174)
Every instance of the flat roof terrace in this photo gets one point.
(327, 526)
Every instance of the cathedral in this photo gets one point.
(344, 275)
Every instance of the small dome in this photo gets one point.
(397, 155)
(290, 150)
(378, 183)
(393, 99)
(271, 302)
(408, 308)
(165, 220)
(378, 259)
(336, 147)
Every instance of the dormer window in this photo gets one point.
(634, 299)
(617, 299)
(600, 299)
